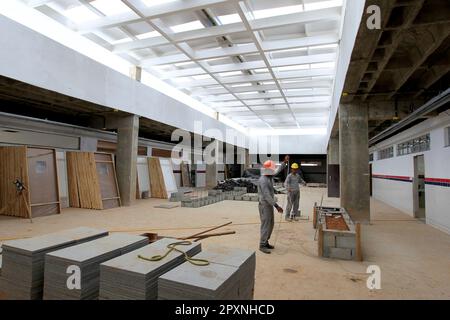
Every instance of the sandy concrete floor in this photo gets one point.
(414, 258)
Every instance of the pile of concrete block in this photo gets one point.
(130, 277)
(229, 276)
(85, 257)
(23, 260)
(213, 196)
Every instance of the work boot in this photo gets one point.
(264, 250)
(269, 246)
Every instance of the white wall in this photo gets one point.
(354, 10)
(398, 194)
(32, 58)
(437, 166)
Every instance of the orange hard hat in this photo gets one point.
(269, 164)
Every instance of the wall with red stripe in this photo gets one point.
(392, 179)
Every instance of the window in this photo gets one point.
(371, 157)
(415, 145)
(386, 153)
(447, 137)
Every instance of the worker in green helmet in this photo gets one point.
(292, 184)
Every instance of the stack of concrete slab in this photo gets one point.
(23, 260)
(229, 276)
(129, 277)
(84, 261)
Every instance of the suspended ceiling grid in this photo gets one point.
(261, 63)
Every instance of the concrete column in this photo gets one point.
(127, 147)
(211, 169)
(333, 151)
(333, 161)
(354, 161)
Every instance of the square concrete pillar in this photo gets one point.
(354, 161)
(126, 157)
(333, 177)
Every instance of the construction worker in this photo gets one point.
(292, 184)
(267, 202)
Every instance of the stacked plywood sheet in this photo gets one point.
(23, 260)
(87, 257)
(162, 179)
(129, 277)
(92, 180)
(230, 275)
(23, 172)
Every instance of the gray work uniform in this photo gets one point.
(292, 184)
(266, 195)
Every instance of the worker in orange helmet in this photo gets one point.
(267, 203)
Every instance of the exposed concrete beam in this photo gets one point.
(425, 46)
(395, 39)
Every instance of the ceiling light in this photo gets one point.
(229, 18)
(194, 25)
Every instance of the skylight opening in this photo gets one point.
(202, 77)
(273, 12)
(292, 68)
(181, 64)
(249, 92)
(230, 73)
(151, 3)
(124, 40)
(325, 46)
(229, 18)
(189, 26)
(80, 14)
(264, 70)
(241, 85)
(323, 5)
(148, 35)
(323, 65)
(110, 7)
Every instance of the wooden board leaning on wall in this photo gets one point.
(32, 168)
(92, 181)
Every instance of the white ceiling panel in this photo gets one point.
(263, 63)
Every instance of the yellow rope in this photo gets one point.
(172, 247)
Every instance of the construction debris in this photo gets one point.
(87, 257)
(129, 277)
(232, 184)
(23, 260)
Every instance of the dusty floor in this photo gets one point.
(414, 258)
